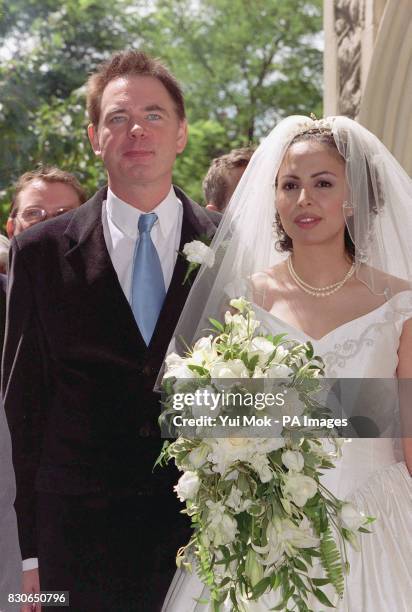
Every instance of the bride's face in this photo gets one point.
(311, 189)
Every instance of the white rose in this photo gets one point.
(260, 464)
(268, 445)
(283, 535)
(262, 348)
(222, 528)
(225, 531)
(173, 360)
(278, 370)
(182, 374)
(293, 460)
(203, 351)
(299, 487)
(242, 327)
(350, 517)
(180, 371)
(188, 486)
(226, 451)
(300, 536)
(199, 253)
(234, 499)
(231, 369)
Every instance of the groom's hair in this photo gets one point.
(131, 63)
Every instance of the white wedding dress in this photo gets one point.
(370, 473)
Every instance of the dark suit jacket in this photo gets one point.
(3, 292)
(77, 375)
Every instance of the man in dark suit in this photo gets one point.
(38, 195)
(95, 296)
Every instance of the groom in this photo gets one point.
(94, 298)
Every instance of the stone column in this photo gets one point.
(368, 68)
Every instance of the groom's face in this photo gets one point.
(139, 133)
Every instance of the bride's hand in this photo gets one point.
(31, 585)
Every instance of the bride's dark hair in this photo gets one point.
(324, 137)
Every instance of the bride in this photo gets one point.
(318, 234)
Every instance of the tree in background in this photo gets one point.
(243, 65)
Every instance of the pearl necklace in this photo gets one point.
(319, 291)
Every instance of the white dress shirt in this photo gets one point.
(121, 234)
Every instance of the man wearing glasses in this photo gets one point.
(42, 194)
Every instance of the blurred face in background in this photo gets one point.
(38, 201)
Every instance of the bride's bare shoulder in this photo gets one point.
(272, 277)
(268, 284)
(382, 281)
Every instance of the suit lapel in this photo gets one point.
(91, 261)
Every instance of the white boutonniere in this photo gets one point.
(198, 252)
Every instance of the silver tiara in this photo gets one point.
(311, 124)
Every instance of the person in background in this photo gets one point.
(42, 194)
(39, 194)
(223, 176)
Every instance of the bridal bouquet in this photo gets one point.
(261, 517)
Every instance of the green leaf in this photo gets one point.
(320, 595)
(253, 363)
(320, 581)
(275, 581)
(190, 269)
(299, 565)
(199, 369)
(276, 339)
(233, 599)
(261, 587)
(163, 457)
(217, 324)
(309, 350)
(331, 560)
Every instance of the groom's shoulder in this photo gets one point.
(207, 220)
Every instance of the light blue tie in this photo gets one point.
(148, 286)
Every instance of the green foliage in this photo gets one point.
(243, 66)
(332, 563)
(207, 139)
